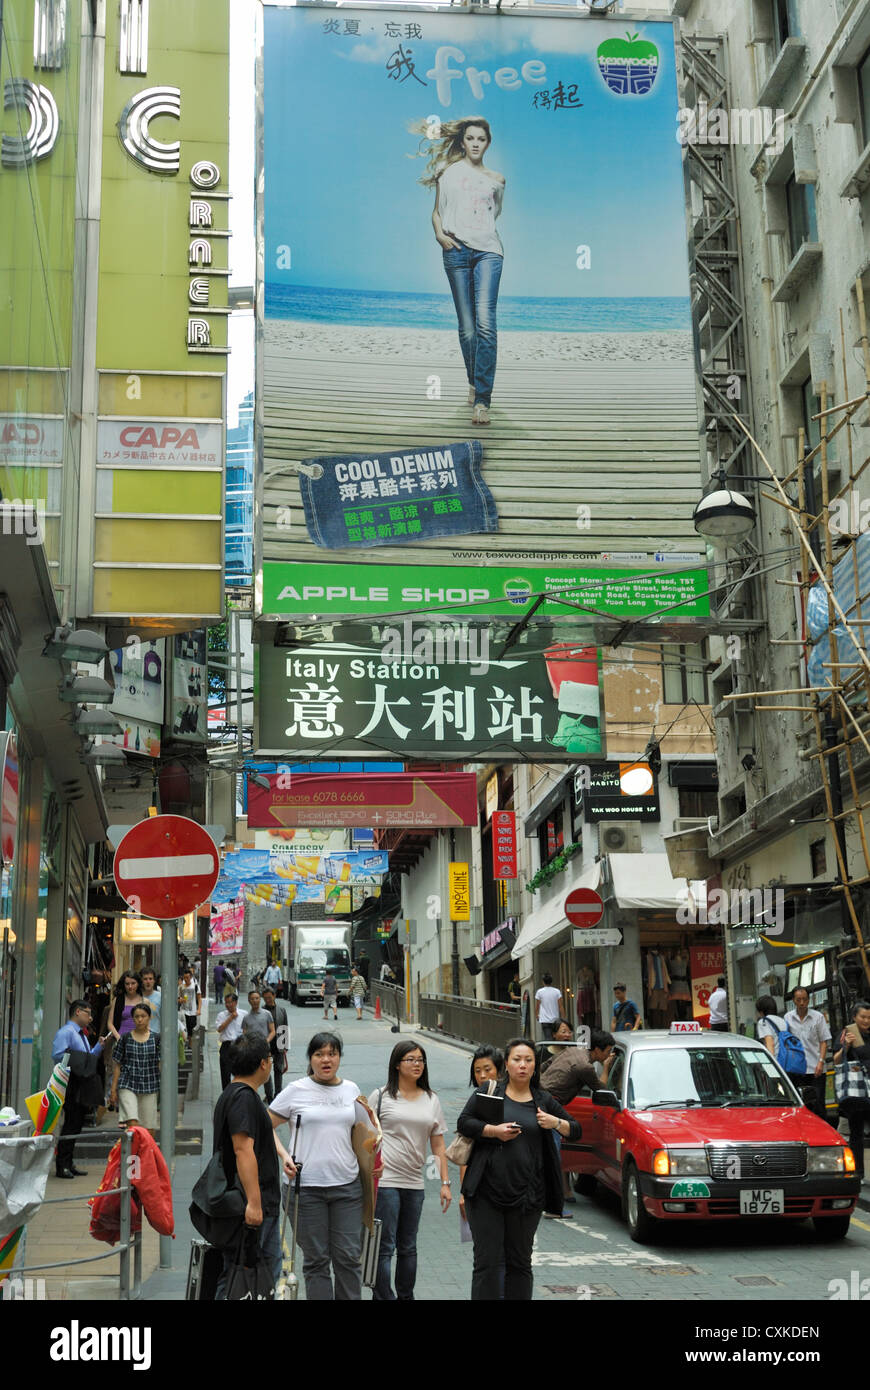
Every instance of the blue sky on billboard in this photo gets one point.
(603, 171)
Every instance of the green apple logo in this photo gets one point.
(629, 66)
(518, 592)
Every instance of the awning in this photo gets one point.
(644, 881)
(545, 807)
(539, 927)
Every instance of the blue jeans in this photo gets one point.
(398, 1210)
(474, 279)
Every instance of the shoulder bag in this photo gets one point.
(217, 1209)
(850, 1081)
(459, 1152)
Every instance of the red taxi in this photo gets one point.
(702, 1126)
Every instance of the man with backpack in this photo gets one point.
(780, 1042)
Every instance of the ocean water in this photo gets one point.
(377, 308)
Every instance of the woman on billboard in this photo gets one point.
(468, 199)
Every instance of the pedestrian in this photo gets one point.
(487, 1064)
(190, 1000)
(513, 1176)
(626, 1014)
(718, 1006)
(220, 976)
(271, 975)
(280, 1044)
(127, 992)
(357, 990)
(364, 964)
(515, 993)
(259, 1020)
(250, 1149)
(136, 1075)
(780, 1042)
(855, 1047)
(568, 1070)
(229, 1027)
(197, 972)
(231, 980)
(548, 1006)
(153, 997)
(811, 1027)
(331, 1197)
(411, 1119)
(73, 1037)
(329, 995)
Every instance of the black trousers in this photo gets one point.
(719, 1027)
(547, 1030)
(857, 1112)
(224, 1061)
(73, 1119)
(816, 1084)
(503, 1238)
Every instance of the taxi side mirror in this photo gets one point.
(609, 1099)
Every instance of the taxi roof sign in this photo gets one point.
(688, 1026)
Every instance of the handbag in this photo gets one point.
(218, 1203)
(851, 1082)
(249, 1277)
(459, 1151)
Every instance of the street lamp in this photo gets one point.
(81, 645)
(724, 515)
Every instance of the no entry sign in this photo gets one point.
(166, 866)
(583, 907)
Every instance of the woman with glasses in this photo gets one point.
(411, 1119)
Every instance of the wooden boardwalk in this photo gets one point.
(619, 438)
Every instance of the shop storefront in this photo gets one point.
(498, 964)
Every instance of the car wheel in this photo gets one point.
(585, 1184)
(641, 1226)
(832, 1227)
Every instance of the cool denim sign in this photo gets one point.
(397, 498)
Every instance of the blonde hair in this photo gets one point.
(446, 147)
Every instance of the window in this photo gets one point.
(818, 857)
(677, 1079)
(801, 204)
(810, 406)
(684, 673)
(785, 25)
(698, 802)
(550, 837)
(863, 72)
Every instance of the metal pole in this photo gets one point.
(125, 1231)
(168, 1056)
(454, 943)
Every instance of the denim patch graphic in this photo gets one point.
(397, 498)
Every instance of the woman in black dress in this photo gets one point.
(514, 1175)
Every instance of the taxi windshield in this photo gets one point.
(674, 1077)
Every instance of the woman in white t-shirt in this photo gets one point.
(330, 1197)
(468, 199)
(411, 1120)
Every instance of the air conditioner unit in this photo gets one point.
(690, 823)
(619, 837)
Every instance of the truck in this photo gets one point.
(310, 949)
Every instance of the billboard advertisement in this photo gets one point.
(457, 704)
(475, 346)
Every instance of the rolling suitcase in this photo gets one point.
(203, 1272)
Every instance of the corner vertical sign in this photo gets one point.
(504, 845)
(460, 893)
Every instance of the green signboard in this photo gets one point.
(294, 590)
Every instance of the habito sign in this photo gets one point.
(341, 698)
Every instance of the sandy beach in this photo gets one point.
(294, 338)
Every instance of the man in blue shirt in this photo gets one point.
(626, 1014)
(72, 1037)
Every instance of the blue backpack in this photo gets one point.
(790, 1051)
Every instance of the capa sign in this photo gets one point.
(135, 437)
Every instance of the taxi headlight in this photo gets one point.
(827, 1160)
(688, 1162)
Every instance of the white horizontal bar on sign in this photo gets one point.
(179, 866)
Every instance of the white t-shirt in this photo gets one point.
(408, 1125)
(469, 201)
(188, 993)
(233, 1030)
(769, 1026)
(328, 1116)
(718, 1003)
(549, 998)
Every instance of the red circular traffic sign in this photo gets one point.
(583, 907)
(166, 866)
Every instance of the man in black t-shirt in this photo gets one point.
(250, 1146)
